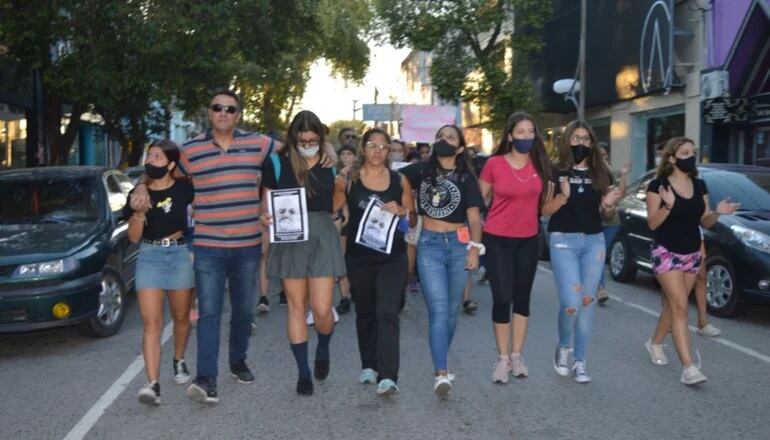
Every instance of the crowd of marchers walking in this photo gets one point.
(201, 217)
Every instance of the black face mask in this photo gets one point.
(443, 148)
(154, 172)
(686, 165)
(580, 152)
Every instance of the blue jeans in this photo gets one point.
(212, 267)
(609, 234)
(441, 262)
(578, 261)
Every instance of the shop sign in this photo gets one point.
(725, 110)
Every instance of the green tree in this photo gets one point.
(472, 36)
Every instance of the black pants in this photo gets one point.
(377, 289)
(511, 265)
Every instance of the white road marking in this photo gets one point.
(654, 313)
(95, 412)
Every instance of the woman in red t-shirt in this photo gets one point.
(514, 178)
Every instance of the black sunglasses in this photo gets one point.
(217, 108)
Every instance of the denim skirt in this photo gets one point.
(167, 268)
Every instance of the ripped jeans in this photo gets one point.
(578, 263)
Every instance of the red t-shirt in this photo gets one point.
(515, 198)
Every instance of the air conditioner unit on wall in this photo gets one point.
(714, 84)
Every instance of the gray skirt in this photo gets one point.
(319, 256)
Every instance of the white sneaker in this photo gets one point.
(442, 385)
(501, 371)
(368, 376)
(709, 330)
(692, 376)
(580, 373)
(150, 394)
(561, 360)
(657, 355)
(518, 369)
(181, 373)
(309, 320)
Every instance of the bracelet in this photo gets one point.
(480, 246)
(606, 209)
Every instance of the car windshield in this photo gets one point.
(48, 200)
(751, 190)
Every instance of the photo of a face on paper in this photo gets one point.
(376, 233)
(287, 214)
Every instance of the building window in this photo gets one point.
(13, 138)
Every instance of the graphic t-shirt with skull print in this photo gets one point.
(446, 196)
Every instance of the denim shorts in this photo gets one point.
(167, 268)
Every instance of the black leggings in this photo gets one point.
(511, 265)
(377, 289)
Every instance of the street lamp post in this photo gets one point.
(571, 87)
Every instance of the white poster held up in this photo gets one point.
(288, 207)
(377, 227)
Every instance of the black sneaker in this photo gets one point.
(181, 374)
(470, 307)
(203, 390)
(305, 386)
(241, 372)
(282, 299)
(321, 370)
(150, 394)
(263, 306)
(344, 306)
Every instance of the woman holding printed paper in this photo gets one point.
(377, 276)
(309, 261)
(449, 201)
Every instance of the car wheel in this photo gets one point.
(622, 265)
(722, 292)
(112, 308)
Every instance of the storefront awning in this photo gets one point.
(749, 59)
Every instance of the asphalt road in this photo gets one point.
(56, 384)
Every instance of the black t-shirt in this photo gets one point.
(680, 232)
(321, 181)
(581, 213)
(450, 197)
(358, 198)
(168, 213)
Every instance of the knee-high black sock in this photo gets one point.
(300, 355)
(322, 350)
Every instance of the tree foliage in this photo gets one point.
(469, 40)
(120, 58)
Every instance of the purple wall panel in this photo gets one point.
(728, 16)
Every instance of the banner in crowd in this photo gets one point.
(419, 123)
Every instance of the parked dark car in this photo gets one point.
(65, 258)
(737, 247)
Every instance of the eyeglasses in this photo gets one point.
(584, 139)
(309, 144)
(378, 147)
(218, 108)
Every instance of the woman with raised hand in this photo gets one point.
(377, 279)
(307, 268)
(677, 205)
(584, 195)
(450, 242)
(516, 179)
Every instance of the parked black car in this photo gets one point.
(737, 247)
(65, 258)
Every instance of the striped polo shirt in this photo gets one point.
(227, 200)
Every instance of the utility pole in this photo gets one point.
(582, 60)
(355, 101)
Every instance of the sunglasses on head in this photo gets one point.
(218, 108)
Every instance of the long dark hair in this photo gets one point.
(462, 161)
(303, 121)
(669, 150)
(361, 158)
(538, 155)
(597, 167)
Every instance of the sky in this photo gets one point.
(331, 98)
